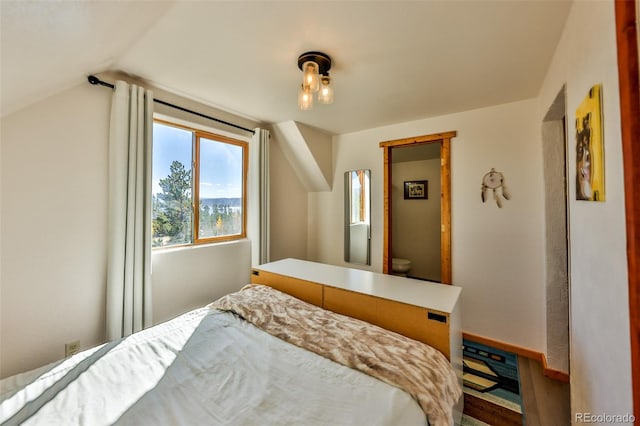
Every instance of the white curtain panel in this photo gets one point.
(264, 195)
(129, 234)
(258, 197)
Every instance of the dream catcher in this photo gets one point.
(494, 181)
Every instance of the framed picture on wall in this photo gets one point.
(590, 148)
(416, 190)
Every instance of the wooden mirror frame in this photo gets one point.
(444, 139)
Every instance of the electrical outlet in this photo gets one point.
(71, 348)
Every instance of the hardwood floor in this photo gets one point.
(545, 402)
(489, 413)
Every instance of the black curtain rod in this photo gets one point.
(96, 81)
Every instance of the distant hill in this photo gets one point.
(232, 202)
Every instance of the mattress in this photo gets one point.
(204, 367)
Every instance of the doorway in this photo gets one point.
(444, 192)
(557, 261)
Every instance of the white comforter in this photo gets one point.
(203, 368)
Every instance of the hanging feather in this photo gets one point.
(495, 197)
(482, 193)
(505, 193)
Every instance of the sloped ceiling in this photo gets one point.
(393, 61)
(309, 153)
(47, 47)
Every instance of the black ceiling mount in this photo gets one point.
(96, 81)
(322, 59)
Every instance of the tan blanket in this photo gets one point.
(415, 367)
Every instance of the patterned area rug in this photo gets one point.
(491, 386)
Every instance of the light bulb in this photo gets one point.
(311, 78)
(305, 98)
(325, 95)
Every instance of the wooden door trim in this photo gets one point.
(436, 137)
(444, 139)
(445, 211)
(521, 351)
(629, 86)
(386, 234)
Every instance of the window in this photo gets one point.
(198, 186)
(359, 196)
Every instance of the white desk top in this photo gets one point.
(440, 297)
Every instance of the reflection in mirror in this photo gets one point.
(357, 217)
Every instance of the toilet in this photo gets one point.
(400, 266)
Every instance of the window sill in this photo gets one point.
(192, 246)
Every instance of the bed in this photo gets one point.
(257, 356)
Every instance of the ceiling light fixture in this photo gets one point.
(315, 68)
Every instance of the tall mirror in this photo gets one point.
(357, 217)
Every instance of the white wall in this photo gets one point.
(54, 227)
(497, 254)
(186, 278)
(319, 143)
(416, 223)
(289, 212)
(54, 234)
(600, 346)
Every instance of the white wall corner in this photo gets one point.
(309, 152)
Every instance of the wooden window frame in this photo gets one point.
(198, 134)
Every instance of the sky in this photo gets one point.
(221, 163)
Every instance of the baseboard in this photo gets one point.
(560, 376)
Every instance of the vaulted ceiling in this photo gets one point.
(393, 61)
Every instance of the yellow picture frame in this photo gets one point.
(590, 147)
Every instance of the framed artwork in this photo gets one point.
(590, 147)
(416, 190)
